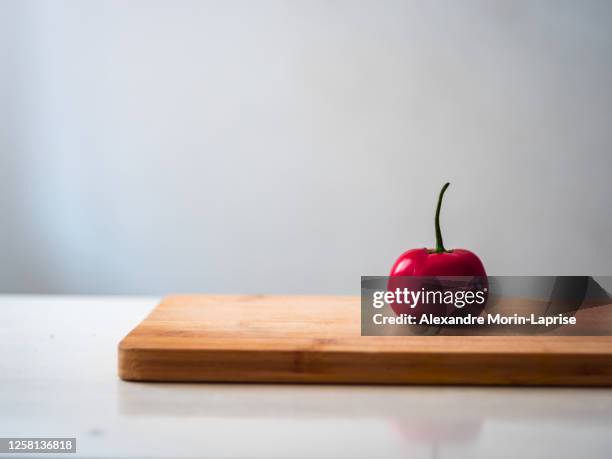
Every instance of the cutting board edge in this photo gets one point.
(358, 368)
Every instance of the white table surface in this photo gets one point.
(58, 358)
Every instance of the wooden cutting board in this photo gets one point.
(312, 339)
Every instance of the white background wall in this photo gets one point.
(292, 146)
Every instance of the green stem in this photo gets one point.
(439, 244)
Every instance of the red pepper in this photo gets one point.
(436, 262)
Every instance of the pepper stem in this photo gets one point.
(439, 244)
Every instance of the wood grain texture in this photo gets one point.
(316, 339)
